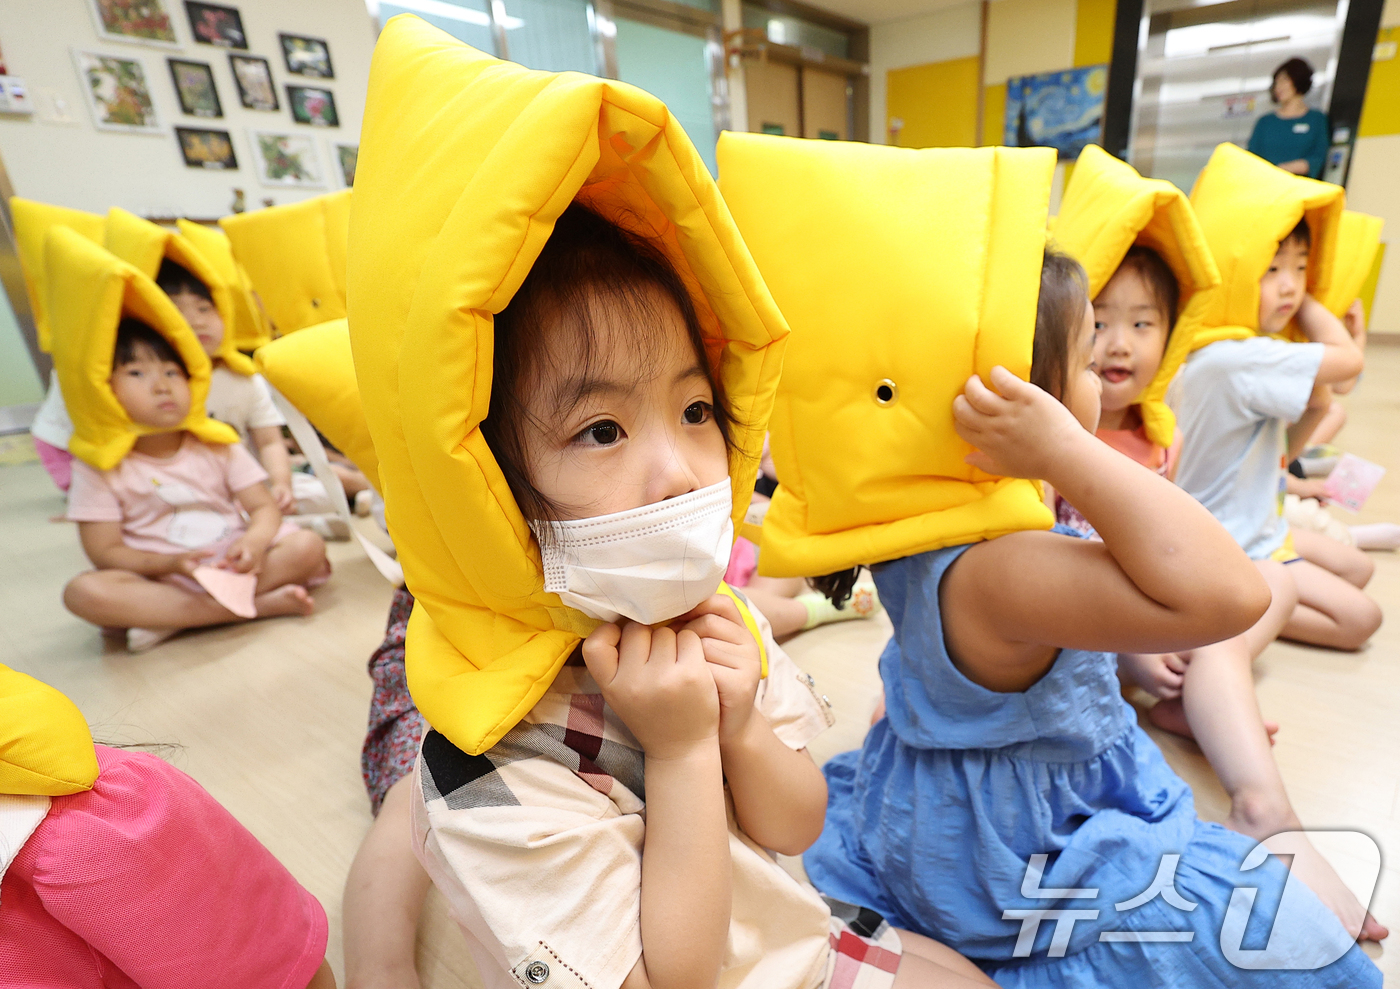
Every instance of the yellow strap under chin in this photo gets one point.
(751, 624)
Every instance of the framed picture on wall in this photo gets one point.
(253, 77)
(138, 22)
(212, 24)
(313, 106)
(117, 93)
(344, 157)
(194, 84)
(307, 56)
(287, 159)
(1060, 110)
(206, 148)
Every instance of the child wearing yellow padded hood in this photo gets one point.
(567, 362)
(1243, 398)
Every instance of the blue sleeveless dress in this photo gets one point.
(960, 791)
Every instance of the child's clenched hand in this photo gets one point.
(1160, 674)
(658, 682)
(244, 555)
(1018, 430)
(187, 563)
(732, 653)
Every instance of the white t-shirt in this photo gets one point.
(1234, 401)
(51, 423)
(242, 401)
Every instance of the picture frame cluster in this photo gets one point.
(118, 90)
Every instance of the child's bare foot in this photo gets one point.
(289, 599)
(1170, 715)
(1311, 867)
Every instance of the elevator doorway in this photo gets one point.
(1204, 74)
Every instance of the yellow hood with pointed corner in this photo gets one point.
(144, 245)
(250, 326)
(32, 222)
(1107, 209)
(1358, 240)
(918, 269)
(90, 289)
(465, 163)
(315, 370)
(45, 746)
(295, 258)
(1246, 207)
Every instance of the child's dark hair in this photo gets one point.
(1161, 283)
(1059, 312)
(133, 334)
(174, 279)
(587, 260)
(1301, 234)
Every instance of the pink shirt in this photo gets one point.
(172, 505)
(146, 881)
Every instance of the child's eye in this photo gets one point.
(603, 433)
(1099, 326)
(697, 413)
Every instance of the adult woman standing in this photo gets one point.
(1294, 137)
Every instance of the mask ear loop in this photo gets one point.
(751, 624)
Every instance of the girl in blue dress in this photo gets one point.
(1008, 805)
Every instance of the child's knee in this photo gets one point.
(85, 594)
(306, 550)
(1362, 621)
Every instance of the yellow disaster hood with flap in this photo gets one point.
(1358, 240)
(250, 327)
(32, 223)
(902, 273)
(90, 290)
(295, 258)
(1246, 207)
(45, 746)
(1107, 209)
(465, 163)
(315, 371)
(144, 245)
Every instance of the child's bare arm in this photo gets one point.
(245, 554)
(659, 684)
(103, 544)
(272, 452)
(779, 793)
(1341, 357)
(1166, 577)
(1301, 431)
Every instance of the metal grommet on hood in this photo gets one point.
(886, 392)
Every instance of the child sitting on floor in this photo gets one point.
(1237, 395)
(243, 401)
(164, 521)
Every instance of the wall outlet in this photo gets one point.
(14, 96)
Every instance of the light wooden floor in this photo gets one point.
(269, 716)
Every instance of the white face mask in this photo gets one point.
(649, 564)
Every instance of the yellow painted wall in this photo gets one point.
(1380, 114)
(994, 118)
(936, 101)
(1093, 31)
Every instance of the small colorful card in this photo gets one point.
(1352, 481)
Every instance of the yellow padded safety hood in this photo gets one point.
(1107, 209)
(902, 272)
(89, 291)
(32, 222)
(144, 245)
(45, 746)
(295, 258)
(465, 163)
(250, 327)
(315, 370)
(1246, 207)
(1358, 240)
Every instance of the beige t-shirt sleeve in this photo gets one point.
(788, 696)
(550, 874)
